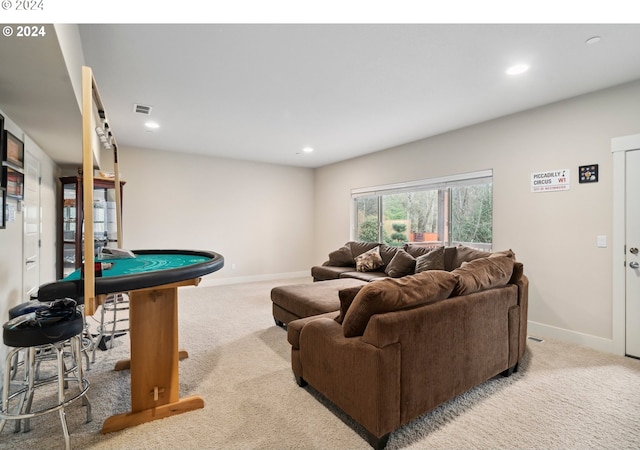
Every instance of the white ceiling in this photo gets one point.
(36, 93)
(263, 92)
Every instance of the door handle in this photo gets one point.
(634, 265)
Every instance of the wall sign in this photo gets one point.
(588, 174)
(550, 180)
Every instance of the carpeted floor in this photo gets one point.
(563, 397)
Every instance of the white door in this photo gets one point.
(632, 246)
(31, 218)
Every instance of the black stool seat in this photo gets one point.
(42, 332)
(27, 307)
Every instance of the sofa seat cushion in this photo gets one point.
(310, 299)
(392, 294)
(483, 273)
(320, 273)
(363, 276)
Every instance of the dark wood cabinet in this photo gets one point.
(71, 219)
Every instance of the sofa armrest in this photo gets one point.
(295, 327)
(362, 380)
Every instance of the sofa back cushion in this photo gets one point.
(341, 257)
(358, 248)
(387, 253)
(483, 273)
(392, 294)
(464, 254)
(416, 250)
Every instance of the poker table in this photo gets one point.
(149, 268)
(152, 279)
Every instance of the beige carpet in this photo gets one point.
(563, 397)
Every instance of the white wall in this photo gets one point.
(11, 251)
(258, 216)
(553, 234)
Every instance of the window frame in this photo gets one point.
(442, 184)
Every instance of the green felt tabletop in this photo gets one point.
(143, 263)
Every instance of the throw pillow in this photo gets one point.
(392, 294)
(401, 265)
(346, 296)
(483, 273)
(369, 260)
(341, 257)
(434, 260)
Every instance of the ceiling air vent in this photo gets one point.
(141, 109)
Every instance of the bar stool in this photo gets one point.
(51, 329)
(114, 320)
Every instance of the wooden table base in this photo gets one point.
(122, 421)
(153, 329)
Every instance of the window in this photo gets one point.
(443, 211)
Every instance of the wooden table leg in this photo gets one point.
(153, 329)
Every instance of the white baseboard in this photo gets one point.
(597, 343)
(213, 281)
(533, 328)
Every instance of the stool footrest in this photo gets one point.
(47, 410)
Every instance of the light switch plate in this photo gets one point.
(602, 241)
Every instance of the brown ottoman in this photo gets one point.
(295, 301)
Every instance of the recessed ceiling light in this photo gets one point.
(307, 150)
(517, 69)
(593, 40)
(152, 125)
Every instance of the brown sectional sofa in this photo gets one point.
(395, 348)
(395, 261)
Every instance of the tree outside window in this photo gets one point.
(446, 214)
